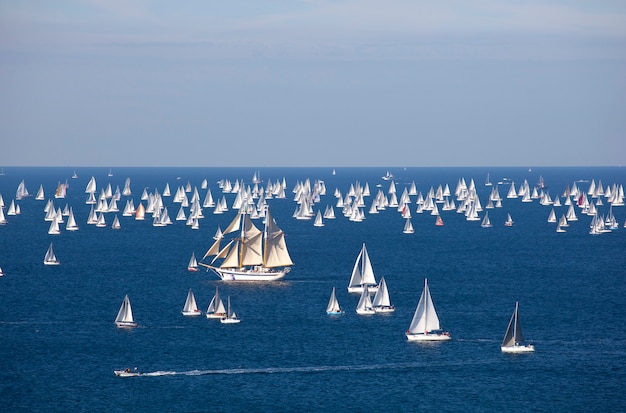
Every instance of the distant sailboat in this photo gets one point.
(333, 307)
(514, 338)
(231, 316)
(486, 221)
(193, 263)
(71, 222)
(191, 307)
(439, 221)
(125, 317)
(319, 222)
(408, 227)
(50, 258)
(425, 324)
(509, 220)
(362, 273)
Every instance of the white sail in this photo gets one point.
(362, 273)
(193, 263)
(50, 258)
(190, 308)
(216, 307)
(381, 302)
(364, 306)
(71, 222)
(231, 316)
(333, 307)
(425, 324)
(125, 317)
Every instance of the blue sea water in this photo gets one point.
(59, 345)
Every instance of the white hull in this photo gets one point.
(385, 309)
(126, 324)
(251, 274)
(216, 315)
(359, 289)
(366, 311)
(192, 313)
(428, 337)
(229, 320)
(51, 263)
(335, 312)
(518, 349)
(125, 373)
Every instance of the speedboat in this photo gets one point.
(127, 372)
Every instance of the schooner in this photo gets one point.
(252, 255)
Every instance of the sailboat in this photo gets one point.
(486, 221)
(50, 258)
(124, 317)
(216, 307)
(381, 302)
(425, 324)
(333, 307)
(408, 227)
(514, 339)
(1, 272)
(509, 220)
(193, 263)
(364, 307)
(362, 274)
(191, 308)
(231, 316)
(253, 255)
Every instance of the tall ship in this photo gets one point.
(251, 254)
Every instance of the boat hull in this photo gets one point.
(335, 312)
(385, 309)
(251, 274)
(125, 324)
(518, 349)
(192, 313)
(365, 311)
(229, 320)
(428, 337)
(215, 315)
(125, 373)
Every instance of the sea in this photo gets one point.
(59, 345)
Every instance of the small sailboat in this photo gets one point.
(191, 307)
(2, 273)
(408, 227)
(333, 307)
(125, 317)
(231, 316)
(381, 302)
(50, 258)
(364, 307)
(514, 338)
(486, 221)
(193, 263)
(509, 220)
(216, 307)
(319, 222)
(425, 324)
(439, 221)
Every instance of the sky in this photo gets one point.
(396, 83)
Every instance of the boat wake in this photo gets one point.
(274, 370)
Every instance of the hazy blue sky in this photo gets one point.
(312, 83)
